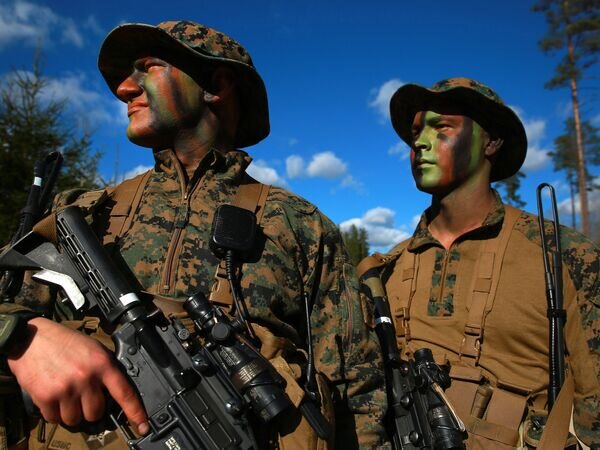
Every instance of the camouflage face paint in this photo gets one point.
(163, 102)
(446, 151)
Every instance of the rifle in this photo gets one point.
(419, 414)
(557, 316)
(196, 396)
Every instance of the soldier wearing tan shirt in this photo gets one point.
(469, 284)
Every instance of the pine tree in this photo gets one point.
(564, 157)
(511, 189)
(356, 242)
(574, 27)
(30, 128)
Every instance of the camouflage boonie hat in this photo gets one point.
(473, 99)
(192, 47)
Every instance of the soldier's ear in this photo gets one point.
(221, 86)
(492, 145)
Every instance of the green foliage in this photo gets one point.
(564, 154)
(30, 127)
(511, 189)
(564, 157)
(579, 21)
(356, 243)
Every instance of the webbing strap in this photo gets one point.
(251, 196)
(403, 287)
(484, 286)
(556, 431)
(127, 197)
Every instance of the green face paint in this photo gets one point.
(163, 102)
(447, 151)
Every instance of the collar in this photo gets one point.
(422, 236)
(232, 163)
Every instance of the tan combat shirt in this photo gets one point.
(514, 348)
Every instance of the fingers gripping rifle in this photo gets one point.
(421, 417)
(45, 172)
(557, 316)
(197, 396)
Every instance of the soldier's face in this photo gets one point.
(162, 102)
(447, 151)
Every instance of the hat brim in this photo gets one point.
(128, 42)
(492, 116)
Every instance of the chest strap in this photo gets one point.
(126, 197)
(251, 196)
(484, 286)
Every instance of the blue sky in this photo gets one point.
(330, 69)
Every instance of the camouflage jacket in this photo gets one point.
(514, 348)
(301, 251)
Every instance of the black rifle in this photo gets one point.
(45, 172)
(196, 396)
(419, 414)
(557, 316)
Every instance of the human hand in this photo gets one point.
(66, 373)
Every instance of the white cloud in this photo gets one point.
(399, 148)
(381, 98)
(379, 224)
(293, 141)
(71, 34)
(537, 156)
(350, 182)
(326, 165)
(260, 170)
(135, 171)
(73, 89)
(294, 166)
(322, 165)
(415, 221)
(595, 121)
(564, 206)
(25, 22)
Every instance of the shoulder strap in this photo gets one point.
(403, 287)
(373, 261)
(127, 197)
(252, 195)
(556, 431)
(484, 286)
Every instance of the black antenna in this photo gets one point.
(557, 316)
(45, 173)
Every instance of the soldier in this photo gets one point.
(469, 283)
(194, 97)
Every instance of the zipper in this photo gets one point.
(181, 219)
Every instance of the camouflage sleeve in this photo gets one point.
(346, 348)
(582, 334)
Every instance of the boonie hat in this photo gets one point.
(472, 99)
(190, 45)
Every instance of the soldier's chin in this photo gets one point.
(145, 140)
(432, 190)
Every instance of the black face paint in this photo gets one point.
(461, 153)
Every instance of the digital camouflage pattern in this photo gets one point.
(300, 250)
(470, 98)
(195, 49)
(468, 83)
(515, 344)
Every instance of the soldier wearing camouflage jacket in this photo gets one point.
(180, 80)
(478, 304)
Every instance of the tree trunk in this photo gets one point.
(585, 227)
(572, 189)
